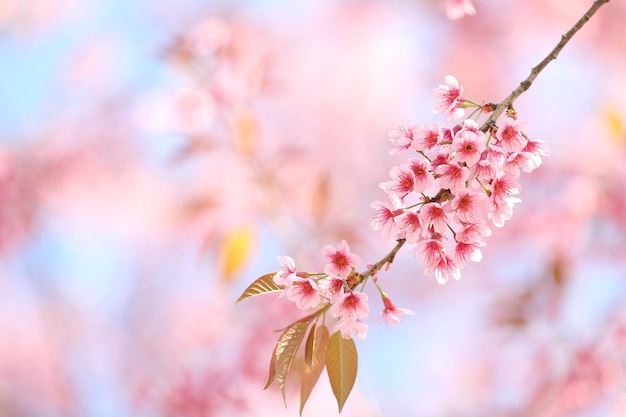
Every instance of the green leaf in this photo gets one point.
(262, 285)
(286, 350)
(315, 351)
(342, 364)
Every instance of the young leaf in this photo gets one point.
(317, 354)
(286, 350)
(262, 285)
(272, 374)
(309, 346)
(341, 363)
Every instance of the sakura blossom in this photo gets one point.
(351, 306)
(349, 328)
(401, 138)
(340, 261)
(287, 271)
(304, 293)
(448, 98)
(392, 314)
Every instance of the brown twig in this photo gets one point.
(525, 85)
(388, 259)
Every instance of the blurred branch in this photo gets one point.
(525, 85)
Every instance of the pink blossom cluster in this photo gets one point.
(334, 288)
(457, 182)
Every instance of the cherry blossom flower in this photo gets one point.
(402, 138)
(456, 9)
(410, 223)
(331, 288)
(304, 293)
(452, 176)
(351, 306)
(440, 159)
(402, 183)
(434, 214)
(340, 261)
(466, 205)
(473, 233)
(445, 269)
(384, 219)
(448, 98)
(430, 252)
(464, 251)
(426, 137)
(510, 134)
(504, 187)
(469, 143)
(392, 314)
(538, 149)
(423, 177)
(286, 273)
(349, 328)
(502, 211)
(520, 161)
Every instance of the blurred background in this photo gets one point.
(157, 156)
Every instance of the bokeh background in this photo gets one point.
(157, 156)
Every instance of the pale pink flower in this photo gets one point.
(421, 171)
(456, 9)
(426, 137)
(502, 201)
(410, 223)
(502, 211)
(440, 159)
(520, 161)
(464, 251)
(392, 314)
(332, 288)
(430, 252)
(402, 181)
(473, 233)
(384, 219)
(349, 328)
(496, 156)
(448, 98)
(484, 170)
(401, 138)
(469, 143)
(467, 205)
(304, 292)
(434, 214)
(286, 273)
(510, 134)
(538, 149)
(351, 306)
(340, 261)
(444, 270)
(452, 176)
(504, 187)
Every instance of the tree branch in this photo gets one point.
(388, 259)
(525, 85)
